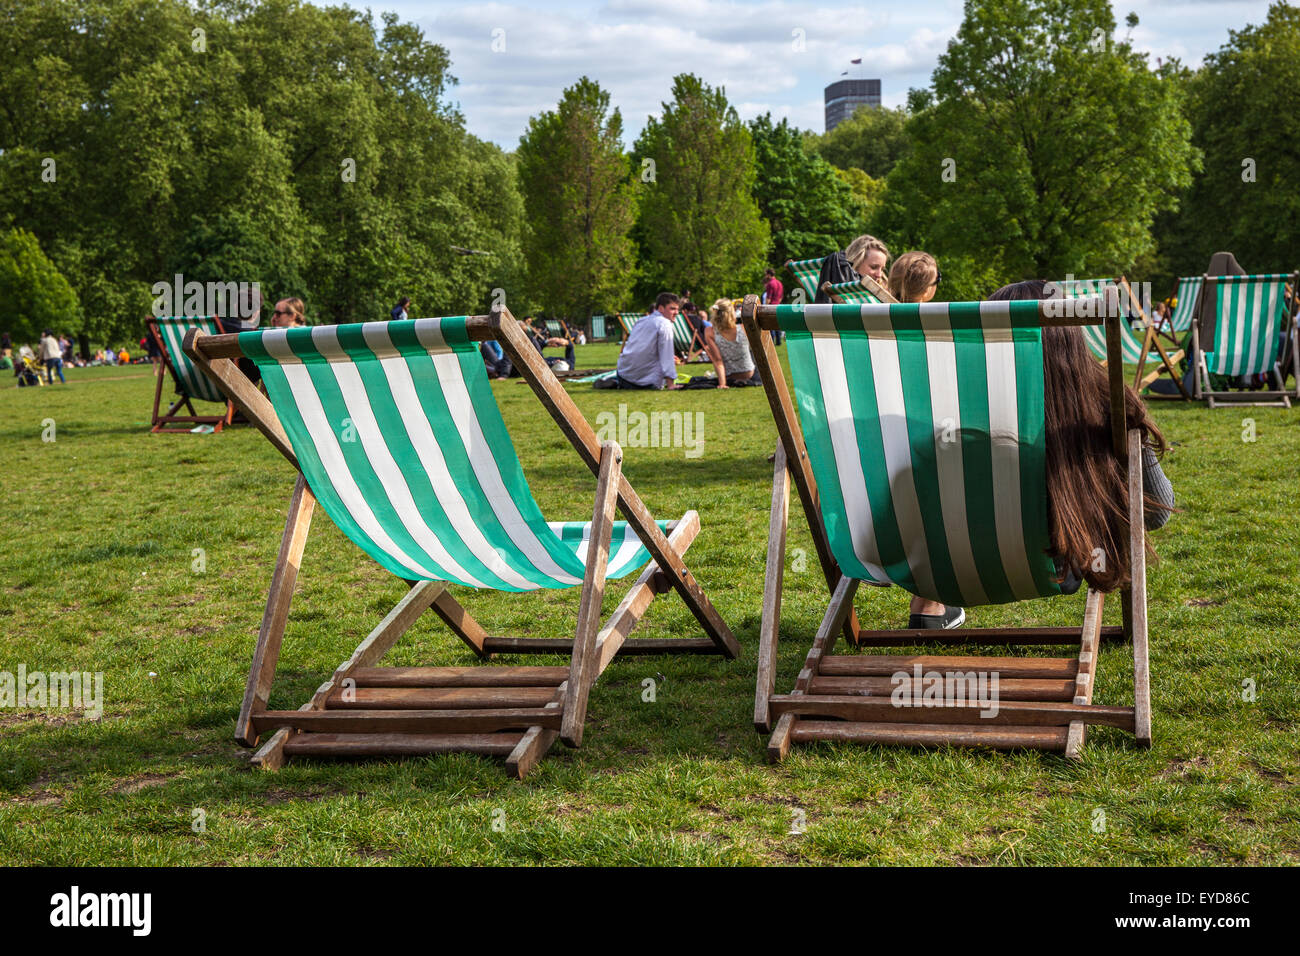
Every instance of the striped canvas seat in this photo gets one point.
(629, 319)
(1095, 335)
(597, 327)
(556, 329)
(401, 441)
(683, 335)
(924, 427)
(806, 273)
(853, 293)
(1249, 316)
(1189, 287)
(191, 382)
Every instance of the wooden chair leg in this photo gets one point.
(774, 577)
(1137, 596)
(582, 673)
(1085, 675)
(267, 651)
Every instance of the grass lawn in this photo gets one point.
(97, 574)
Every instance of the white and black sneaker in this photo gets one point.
(950, 618)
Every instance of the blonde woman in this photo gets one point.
(865, 256)
(729, 347)
(915, 277)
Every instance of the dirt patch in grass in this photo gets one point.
(40, 717)
(272, 797)
(1203, 602)
(136, 784)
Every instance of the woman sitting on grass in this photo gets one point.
(728, 345)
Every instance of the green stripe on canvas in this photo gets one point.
(806, 273)
(1189, 287)
(398, 435)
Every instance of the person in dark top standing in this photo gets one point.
(865, 256)
(399, 311)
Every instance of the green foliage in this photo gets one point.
(809, 209)
(699, 226)
(1242, 108)
(1046, 147)
(579, 205)
(34, 295)
(872, 140)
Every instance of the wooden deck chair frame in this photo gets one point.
(623, 324)
(1150, 342)
(561, 325)
(866, 283)
(1280, 397)
(515, 712)
(846, 698)
(162, 419)
(696, 346)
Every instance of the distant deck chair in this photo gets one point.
(627, 320)
(557, 328)
(394, 430)
(806, 272)
(598, 328)
(919, 457)
(168, 333)
(1187, 299)
(1136, 348)
(864, 291)
(1250, 313)
(687, 340)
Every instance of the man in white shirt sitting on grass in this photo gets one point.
(647, 358)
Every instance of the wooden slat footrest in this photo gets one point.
(479, 676)
(883, 710)
(409, 721)
(886, 665)
(931, 735)
(1007, 688)
(643, 645)
(981, 635)
(376, 745)
(439, 698)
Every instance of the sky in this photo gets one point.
(513, 61)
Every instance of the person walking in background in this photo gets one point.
(52, 356)
(865, 256)
(773, 294)
(399, 311)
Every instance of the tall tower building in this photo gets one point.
(843, 98)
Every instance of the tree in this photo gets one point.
(873, 140)
(699, 227)
(34, 295)
(1247, 200)
(810, 210)
(1046, 145)
(579, 205)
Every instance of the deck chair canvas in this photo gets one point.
(1187, 298)
(1250, 314)
(1136, 348)
(168, 334)
(806, 272)
(429, 485)
(557, 328)
(628, 319)
(687, 341)
(890, 500)
(864, 291)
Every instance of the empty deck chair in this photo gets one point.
(919, 457)
(1250, 314)
(395, 432)
(1136, 347)
(168, 333)
(627, 320)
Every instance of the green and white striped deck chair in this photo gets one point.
(1136, 348)
(919, 454)
(629, 319)
(863, 291)
(168, 332)
(598, 328)
(686, 341)
(806, 272)
(1187, 297)
(557, 328)
(395, 432)
(1251, 313)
